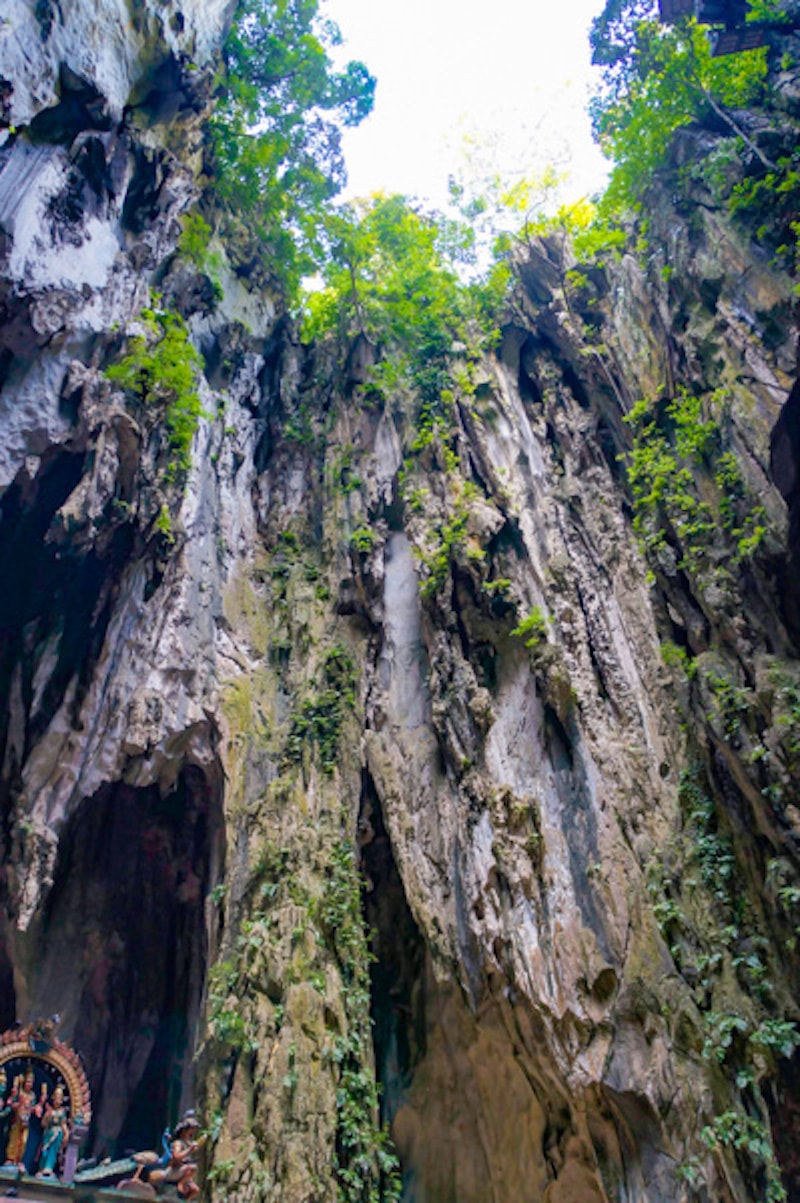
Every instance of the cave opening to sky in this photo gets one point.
(469, 89)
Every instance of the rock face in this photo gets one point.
(564, 749)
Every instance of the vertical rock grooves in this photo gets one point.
(533, 666)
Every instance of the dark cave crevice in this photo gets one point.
(8, 997)
(27, 565)
(56, 601)
(80, 108)
(467, 1122)
(398, 970)
(785, 468)
(785, 1122)
(121, 950)
(435, 1063)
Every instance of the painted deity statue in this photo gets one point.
(5, 1110)
(35, 1130)
(56, 1134)
(23, 1101)
(181, 1166)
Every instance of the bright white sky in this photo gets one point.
(514, 73)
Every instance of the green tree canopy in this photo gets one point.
(277, 127)
(390, 276)
(655, 80)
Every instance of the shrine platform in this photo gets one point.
(38, 1190)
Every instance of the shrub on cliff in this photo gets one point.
(160, 370)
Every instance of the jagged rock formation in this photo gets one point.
(580, 858)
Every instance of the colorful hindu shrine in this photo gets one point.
(45, 1113)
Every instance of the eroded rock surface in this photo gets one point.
(579, 848)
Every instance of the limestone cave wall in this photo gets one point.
(554, 726)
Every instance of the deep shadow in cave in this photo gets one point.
(785, 467)
(785, 1119)
(56, 602)
(123, 951)
(398, 970)
(456, 1102)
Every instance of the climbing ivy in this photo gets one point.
(715, 936)
(367, 1169)
(677, 453)
(225, 1020)
(532, 628)
(768, 203)
(363, 539)
(317, 723)
(448, 540)
(749, 1135)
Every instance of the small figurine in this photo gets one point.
(5, 1109)
(56, 1134)
(181, 1167)
(23, 1100)
(42, 1033)
(136, 1185)
(35, 1131)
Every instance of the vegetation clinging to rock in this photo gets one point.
(160, 368)
(655, 80)
(366, 1166)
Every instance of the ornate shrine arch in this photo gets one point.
(52, 1061)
